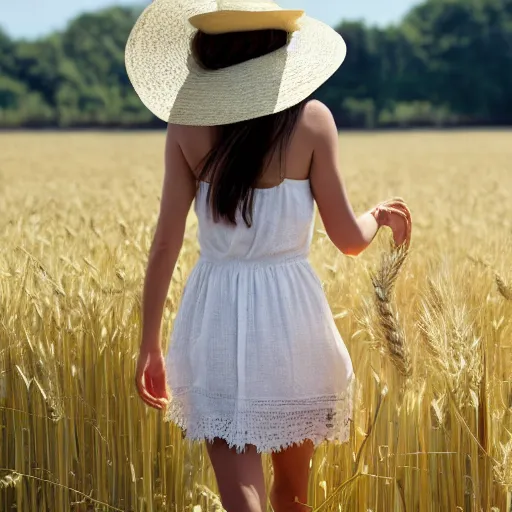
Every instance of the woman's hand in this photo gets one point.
(396, 215)
(150, 377)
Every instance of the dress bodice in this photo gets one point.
(282, 227)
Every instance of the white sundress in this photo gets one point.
(255, 356)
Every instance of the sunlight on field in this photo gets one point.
(432, 351)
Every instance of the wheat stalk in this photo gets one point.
(503, 288)
(383, 283)
(75, 349)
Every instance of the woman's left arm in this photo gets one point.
(178, 192)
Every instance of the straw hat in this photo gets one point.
(177, 90)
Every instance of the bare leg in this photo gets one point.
(239, 477)
(291, 474)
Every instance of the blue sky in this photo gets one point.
(32, 18)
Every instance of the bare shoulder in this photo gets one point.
(194, 141)
(314, 135)
(316, 126)
(317, 118)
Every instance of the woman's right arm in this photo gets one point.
(350, 234)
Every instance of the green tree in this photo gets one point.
(465, 48)
(39, 66)
(447, 62)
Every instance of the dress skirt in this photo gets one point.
(255, 356)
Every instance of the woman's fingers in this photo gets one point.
(399, 206)
(402, 228)
(155, 377)
(406, 234)
(406, 210)
(159, 388)
(156, 388)
(144, 394)
(403, 211)
(396, 211)
(395, 200)
(150, 367)
(398, 218)
(400, 232)
(394, 206)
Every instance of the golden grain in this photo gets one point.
(430, 340)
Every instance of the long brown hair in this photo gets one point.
(242, 150)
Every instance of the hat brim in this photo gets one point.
(220, 22)
(177, 90)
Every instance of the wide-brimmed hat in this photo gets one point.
(174, 87)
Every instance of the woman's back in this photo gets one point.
(283, 208)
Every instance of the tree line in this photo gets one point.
(448, 62)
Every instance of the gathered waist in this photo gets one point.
(268, 261)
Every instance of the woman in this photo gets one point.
(255, 363)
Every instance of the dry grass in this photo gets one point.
(430, 335)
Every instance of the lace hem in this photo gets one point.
(270, 425)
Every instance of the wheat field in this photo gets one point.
(429, 332)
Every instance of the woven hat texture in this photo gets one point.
(177, 90)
